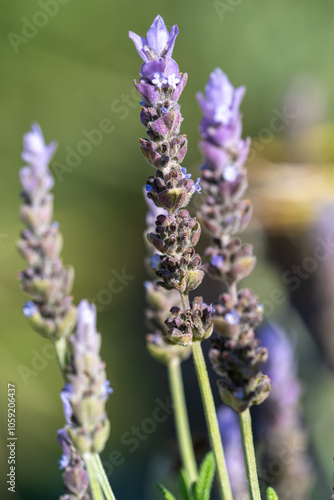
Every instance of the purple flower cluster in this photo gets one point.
(160, 86)
(221, 126)
(46, 280)
(156, 51)
(235, 354)
(175, 233)
(159, 300)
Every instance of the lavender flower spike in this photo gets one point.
(159, 302)
(176, 233)
(235, 355)
(86, 391)
(50, 312)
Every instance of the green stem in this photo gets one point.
(94, 484)
(102, 477)
(181, 419)
(61, 347)
(249, 454)
(211, 421)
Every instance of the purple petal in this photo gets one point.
(171, 40)
(140, 42)
(180, 87)
(149, 69)
(238, 96)
(171, 67)
(35, 151)
(148, 92)
(65, 396)
(158, 36)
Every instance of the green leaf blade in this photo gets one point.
(271, 494)
(207, 471)
(184, 486)
(166, 493)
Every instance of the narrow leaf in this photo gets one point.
(166, 493)
(183, 482)
(205, 478)
(271, 494)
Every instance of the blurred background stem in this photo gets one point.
(181, 420)
(249, 454)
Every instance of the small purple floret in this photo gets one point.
(109, 390)
(184, 172)
(155, 261)
(197, 186)
(232, 318)
(212, 309)
(230, 173)
(159, 42)
(217, 260)
(29, 309)
(63, 462)
(221, 101)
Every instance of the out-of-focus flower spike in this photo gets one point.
(86, 391)
(235, 354)
(279, 421)
(50, 312)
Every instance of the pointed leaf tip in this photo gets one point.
(271, 494)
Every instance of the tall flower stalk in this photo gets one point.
(177, 265)
(235, 353)
(159, 302)
(51, 313)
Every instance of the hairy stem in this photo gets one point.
(210, 413)
(92, 477)
(249, 454)
(102, 477)
(211, 421)
(181, 420)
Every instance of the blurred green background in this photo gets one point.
(71, 74)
